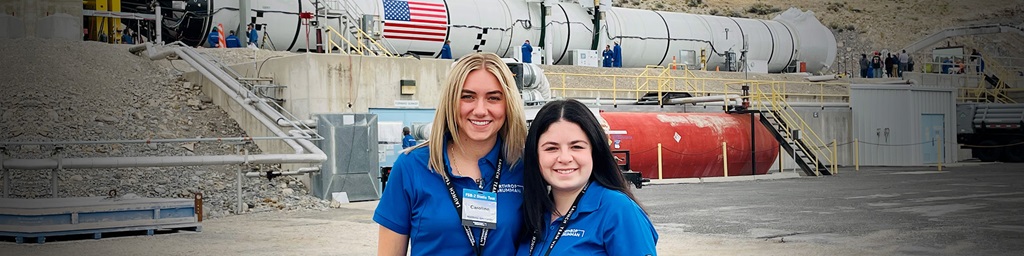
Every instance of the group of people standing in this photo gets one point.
(482, 184)
(891, 66)
(232, 41)
(612, 57)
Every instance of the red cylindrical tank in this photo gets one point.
(691, 143)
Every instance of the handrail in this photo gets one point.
(331, 41)
(789, 116)
(374, 42)
(347, 7)
(697, 86)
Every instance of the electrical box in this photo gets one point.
(687, 59)
(586, 58)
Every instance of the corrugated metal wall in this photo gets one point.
(888, 121)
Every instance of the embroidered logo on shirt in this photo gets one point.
(510, 188)
(574, 232)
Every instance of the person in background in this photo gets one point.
(876, 66)
(126, 37)
(232, 41)
(888, 65)
(446, 50)
(608, 56)
(864, 65)
(903, 59)
(617, 55)
(589, 208)
(407, 139)
(472, 161)
(253, 35)
(527, 52)
(213, 39)
(947, 63)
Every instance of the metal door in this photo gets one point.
(932, 131)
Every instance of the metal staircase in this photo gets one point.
(351, 18)
(794, 135)
(808, 161)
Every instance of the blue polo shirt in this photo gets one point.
(416, 203)
(606, 222)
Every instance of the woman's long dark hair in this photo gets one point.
(537, 204)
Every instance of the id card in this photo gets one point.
(479, 208)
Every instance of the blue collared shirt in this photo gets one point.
(416, 203)
(606, 222)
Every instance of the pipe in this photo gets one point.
(280, 118)
(794, 104)
(87, 142)
(718, 98)
(300, 171)
(272, 126)
(822, 78)
(300, 142)
(160, 161)
(291, 123)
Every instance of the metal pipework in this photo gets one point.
(298, 140)
(300, 171)
(147, 141)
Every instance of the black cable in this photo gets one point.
(260, 67)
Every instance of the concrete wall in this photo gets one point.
(34, 15)
(944, 80)
(332, 83)
(828, 123)
(335, 83)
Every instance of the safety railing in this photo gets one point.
(384, 48)
(633, 87)
(348, 44)
(1003, 77)
(773, 99)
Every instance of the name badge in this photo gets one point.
(479, 208)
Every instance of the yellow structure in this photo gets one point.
(103, 25)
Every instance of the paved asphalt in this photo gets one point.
(974, 208)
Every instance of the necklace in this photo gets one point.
(455, 168)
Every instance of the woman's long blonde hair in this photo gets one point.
(512, 133)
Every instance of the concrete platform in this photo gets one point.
(770, 176)
(41, 218)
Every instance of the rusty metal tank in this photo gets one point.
(691, 143)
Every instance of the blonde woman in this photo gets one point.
(459, 193)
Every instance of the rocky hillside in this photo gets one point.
(870, 25)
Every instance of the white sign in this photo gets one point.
(407, 103)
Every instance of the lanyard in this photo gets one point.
(478, 248)
(565, 223)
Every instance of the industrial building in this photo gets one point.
(697, 96)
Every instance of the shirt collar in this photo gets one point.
(592, 199)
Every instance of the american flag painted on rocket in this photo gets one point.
(415, 20)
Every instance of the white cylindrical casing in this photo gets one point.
(570, 27)
(501, 26)
(815, 43)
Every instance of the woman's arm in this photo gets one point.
(390, 243)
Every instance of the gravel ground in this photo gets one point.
(87, 91)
